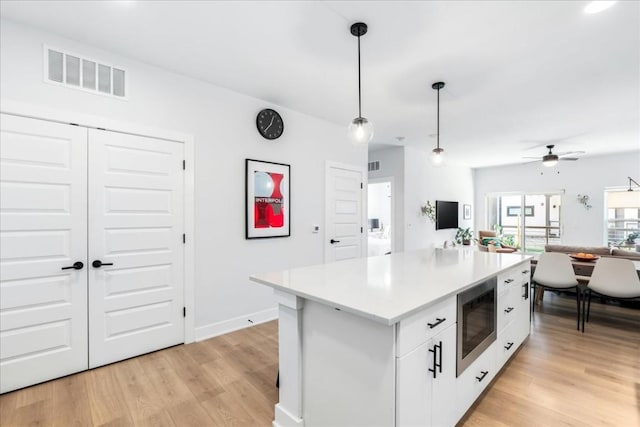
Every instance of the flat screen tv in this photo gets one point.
(446, 215)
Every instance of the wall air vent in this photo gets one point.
(74, 71)
(374, 166)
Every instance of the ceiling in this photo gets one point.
(519, 75)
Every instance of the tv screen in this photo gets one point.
(446, 215)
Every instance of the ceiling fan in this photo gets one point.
(551, 159)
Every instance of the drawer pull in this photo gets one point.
(438, 321)
(508, 281)
(481, 377)
(525, 271)
(508, 310)
(508, 346)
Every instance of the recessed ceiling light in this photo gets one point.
(598, 6)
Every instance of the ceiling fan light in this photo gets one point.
(437, 157)
(360, 131)
(550, 160)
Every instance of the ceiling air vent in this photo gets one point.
(71, 70)
(374, 166)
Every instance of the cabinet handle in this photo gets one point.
(433, 350)
(525, 291)
(76, 266)
(508, 310)
(508, 281)
(508, 346)
(481, 377)
(440, 357)
(525, 271)
(438, 321)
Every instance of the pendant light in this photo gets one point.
(437, 155)
(360, 129)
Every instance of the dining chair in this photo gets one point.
(614, 278)
(554, 271)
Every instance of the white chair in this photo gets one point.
(555, 271)
(613, 278)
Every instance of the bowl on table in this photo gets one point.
(580, 256)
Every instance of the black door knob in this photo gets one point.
(332, 241)
(76, 266)
(97, 263)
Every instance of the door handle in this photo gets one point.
(76, 266)
(332, 241)
(97, 263)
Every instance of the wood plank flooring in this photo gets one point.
(560, 378)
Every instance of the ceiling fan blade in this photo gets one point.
(568, 158)
(537, 157)
(569, 153)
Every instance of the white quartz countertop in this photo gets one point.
(389, 288)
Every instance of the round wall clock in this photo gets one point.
(269, 123)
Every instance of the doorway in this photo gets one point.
(380, 217)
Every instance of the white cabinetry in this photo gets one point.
(514, 311)
(426, 382)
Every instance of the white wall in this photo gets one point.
(223, 126)
(589, 175)
(424, 182)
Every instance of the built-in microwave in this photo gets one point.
(477, 320)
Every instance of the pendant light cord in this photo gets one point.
(438, 124)
(359, 87)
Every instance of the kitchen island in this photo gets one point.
(373, 341)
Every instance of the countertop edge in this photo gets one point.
(388, 321)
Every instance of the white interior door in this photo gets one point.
(344, 213)
(43, 229)
(136, 232)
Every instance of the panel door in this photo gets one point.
(344, 199)
(135, 230)
(43, 229)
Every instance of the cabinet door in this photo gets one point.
(443, 398)
(413, 387)
(523, 322)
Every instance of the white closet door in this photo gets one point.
(136, 224)
(43, 228)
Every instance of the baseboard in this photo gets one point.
(226, 326)
(285, 419)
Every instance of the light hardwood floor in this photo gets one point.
(560, 378)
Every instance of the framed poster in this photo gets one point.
(466, 211)
(267, 199)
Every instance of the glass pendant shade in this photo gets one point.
(360, 131)
(437, 157)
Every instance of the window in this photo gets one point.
(623, 217)
(540, 225)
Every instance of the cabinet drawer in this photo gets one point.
(509, 307)
(475, 378)
(508, 279)
(507, 344)
(420, 327)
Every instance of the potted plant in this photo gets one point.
(631, 239)
(464, 235)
